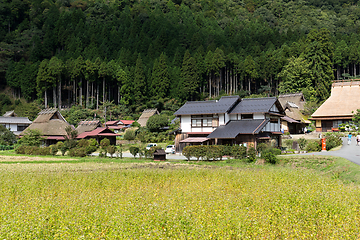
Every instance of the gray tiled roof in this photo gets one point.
(234, 128)
(208, 107)
(255, 105)
(15, 120)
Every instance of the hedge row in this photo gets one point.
(214, 152)
(33, 150)
(6, 147)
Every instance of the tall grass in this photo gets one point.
(100, 201)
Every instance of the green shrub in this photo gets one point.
(54, 149)
(104, 143)
(111, 150)
(332, 141)
(187, 152)
(20, 149)
(302, 143)
(77, 152)
(270, 158)
(134, 150)
(238, 152)
(262, 146)
(83, 143)
(251, 154)
(44, 151)
(313, 146)
(288, 143)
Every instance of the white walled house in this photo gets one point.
(230, 120)
(13, 123)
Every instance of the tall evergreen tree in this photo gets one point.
(139, 82)
(189, 79)
(319, 53)
(160, 83)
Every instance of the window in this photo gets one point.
(246, 116)
(273, 120)
(201, 121)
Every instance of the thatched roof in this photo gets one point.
(49, 122)
(342, 103)
(87, 126)
(147, 113)
(294, 98)
(10, 114)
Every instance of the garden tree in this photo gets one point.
(319, 53)
(296, 77)
(31, 138)
(139, 84)
(56, 68)
(6, 136)
(104, 144)
(70, 138)
(129, 135)
(356, 118)
(189, 79)
(156, 122)
(160, 81)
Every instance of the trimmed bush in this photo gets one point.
(302, 143)
(111, 150)
(251, 154)
(134, 150)
(270, 158)
(313, 146)
(332, 141)
(238, 152)
(54, 149)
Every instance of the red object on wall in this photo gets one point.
(323, 144)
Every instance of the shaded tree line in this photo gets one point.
(85, 53)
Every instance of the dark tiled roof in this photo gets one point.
(255, 105)
(234, 128)
(208, 107)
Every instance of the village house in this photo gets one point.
(146, 114)
(230, 120)
(15, 124)
(87, 126)
(119, 125)
(51, 124)
(339, 108)
(294, 122)
(98, 134)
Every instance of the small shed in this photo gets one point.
(159, 155)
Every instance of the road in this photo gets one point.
(350, 152)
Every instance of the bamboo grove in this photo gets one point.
(88, 52)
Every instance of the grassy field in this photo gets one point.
(62, 198)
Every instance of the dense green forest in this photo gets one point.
(144, 53)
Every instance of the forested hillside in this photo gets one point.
(140, 53)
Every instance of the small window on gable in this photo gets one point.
(247, 116)
(273, 120)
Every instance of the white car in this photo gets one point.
(150, 145)
(170, 149)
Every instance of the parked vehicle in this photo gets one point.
(170, 149)
(150, 145)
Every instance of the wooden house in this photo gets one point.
(339, 107)
(229, 121)
(15, 124)
(51, 124)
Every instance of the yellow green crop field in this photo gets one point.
(164, 201)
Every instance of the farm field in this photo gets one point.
(146, 200)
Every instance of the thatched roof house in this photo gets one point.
(294, 121)
(339, 107)
(88, 126)
(51, 124)
(147, 113)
